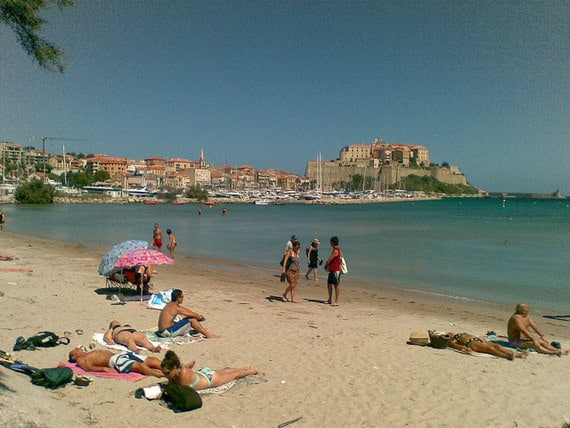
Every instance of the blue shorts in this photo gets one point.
(124, 361)
(179, 328)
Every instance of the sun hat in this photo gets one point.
(316, 241)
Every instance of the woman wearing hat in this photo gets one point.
(313, 260)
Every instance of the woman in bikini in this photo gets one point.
(202, 378)
(291, 270)
(124, 334)
(469, 343)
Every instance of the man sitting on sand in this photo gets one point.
(470, 343)
(109, 362)
(520, 336)
(202, 378)
(128, 336)
(176, 320)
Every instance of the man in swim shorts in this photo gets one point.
(177, 320)
(109, 362)
(156, 237)
(202, 378)
(128, 336)
(519, 327)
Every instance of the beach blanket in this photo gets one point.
(131, 377)
(163, 342)
(15, 270)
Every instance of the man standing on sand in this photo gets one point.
(109, 362)
(171, 242)
(333, 265)
(3, 219)
(176, 320)
(520, 336)
(157, 237)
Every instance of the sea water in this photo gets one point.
(490, 250)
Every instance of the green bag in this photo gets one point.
(181, 398)
(52, 378)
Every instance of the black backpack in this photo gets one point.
(44, 339)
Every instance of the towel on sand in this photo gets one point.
(132, 377)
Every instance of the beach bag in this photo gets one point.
(52, 378)
(181, 398)
(343, 265)
(43, 339)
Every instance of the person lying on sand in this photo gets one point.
(109, 362)
(519, 327)
(124, 334)
(176, 320)
(202, 378)
(470, 343)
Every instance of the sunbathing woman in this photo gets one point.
(468, 342)
(128, 336)
(202, 378)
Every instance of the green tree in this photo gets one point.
(196, 192)
(101, 176)
(34, 192)
(22, 17)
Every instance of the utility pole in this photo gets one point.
(44, 148)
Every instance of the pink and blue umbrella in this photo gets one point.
(142, 257)
(107, 265)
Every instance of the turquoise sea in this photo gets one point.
(488, 250)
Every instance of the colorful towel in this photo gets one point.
(131, 377)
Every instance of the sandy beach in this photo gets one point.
(318, 365)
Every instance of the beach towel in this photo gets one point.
(131, 377)
(15, 270)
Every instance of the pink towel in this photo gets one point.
(132, 377)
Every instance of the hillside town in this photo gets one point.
(375, 168)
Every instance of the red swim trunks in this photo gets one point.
(157, 243)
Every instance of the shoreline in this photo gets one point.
(312, 357)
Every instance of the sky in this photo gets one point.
(484, 85)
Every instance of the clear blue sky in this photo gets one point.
(483, 84)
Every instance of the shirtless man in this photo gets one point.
(171, 242)
(156, 237)
(109, 362)
(176, 320)
(202, 378)
(520, 336)
(128, 336)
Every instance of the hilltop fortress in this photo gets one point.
(380, 165)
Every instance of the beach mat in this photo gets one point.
(131, 377)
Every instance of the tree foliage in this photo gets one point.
(34, 192)
(196, 192)
(22, 17)
(431, 185)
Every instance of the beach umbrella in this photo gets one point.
(142, 257)
(107, 265)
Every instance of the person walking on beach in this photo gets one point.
(3, 219)
(177, 320)
(289, 244)
(182, 374)
(333, 266)
(157, 237)
(519, 327)
(313, 260)
(171, 242)
(291, 268)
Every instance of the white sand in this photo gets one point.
(346, 366)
